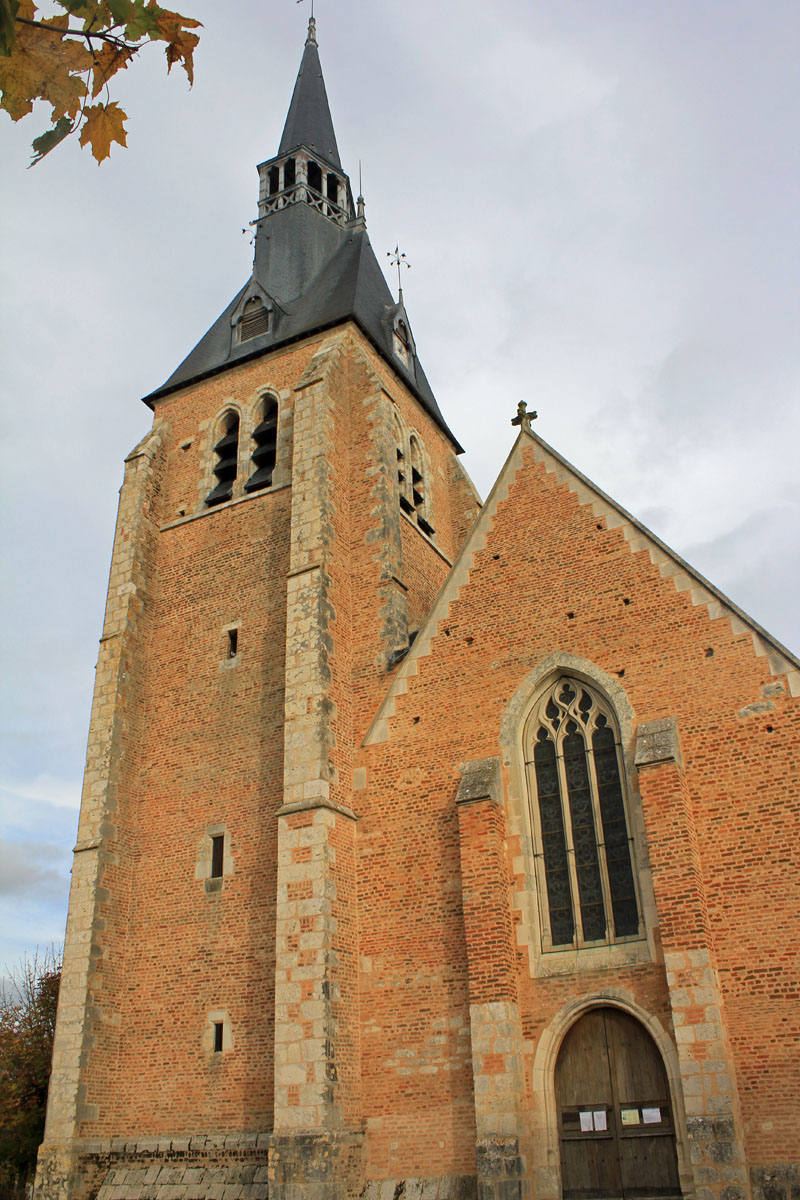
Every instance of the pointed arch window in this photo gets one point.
(226, 460)
(255, 319)
(584, 849)
(402, 342)
(265, 445)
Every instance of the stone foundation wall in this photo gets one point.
(779, 1182)
(501, 1169)
(316, 1166)
(222, 1167)
(441, 1187)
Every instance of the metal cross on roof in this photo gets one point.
(398, 259)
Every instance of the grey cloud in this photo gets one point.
(26, 870)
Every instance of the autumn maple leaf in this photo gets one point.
(102, 125)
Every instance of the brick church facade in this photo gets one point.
(427, 849)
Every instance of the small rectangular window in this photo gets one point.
(217, 855)
(233, 642)
(218, 1037)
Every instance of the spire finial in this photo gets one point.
(312, 26)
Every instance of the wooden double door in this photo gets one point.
(617, 1134)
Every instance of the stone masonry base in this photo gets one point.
(316, 1166)
(252, 1166)
(225, 1167)
(779, 1182)
(501, 1171)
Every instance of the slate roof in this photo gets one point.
(308, 122)
(313, 272)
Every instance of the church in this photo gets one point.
(429, 849)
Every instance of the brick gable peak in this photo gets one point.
(782, 662)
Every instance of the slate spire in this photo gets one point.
(313, 267)
(308, 122)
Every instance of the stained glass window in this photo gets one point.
(584, 847)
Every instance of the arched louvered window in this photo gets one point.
(265, 444)
(418, 497)
(226, 454)
(255, 319)
(584, 850)
(403, 477)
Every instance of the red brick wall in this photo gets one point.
(205, 747)
(551, 577)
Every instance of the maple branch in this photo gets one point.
(109, 38)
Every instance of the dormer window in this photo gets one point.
(402, 341)
(314, 176)
(255, 319)
(226, 453)
(265, 444)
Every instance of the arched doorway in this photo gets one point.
(616, 1130)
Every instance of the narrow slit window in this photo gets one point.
(233, 643)
(314, 176)
(226, 454)
(217, 1037)
(217, 855)
(265, 447)
(289, 174)
(332, 188)
(274, 181)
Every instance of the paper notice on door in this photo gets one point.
(586, 1123)
(630, 1116)
(651, 1116)
(600, 1120)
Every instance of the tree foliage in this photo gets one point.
(67, 58)
(28, 1002)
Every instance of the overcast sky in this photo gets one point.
(599, 200)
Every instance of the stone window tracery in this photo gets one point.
(583, 846)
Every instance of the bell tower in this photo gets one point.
(283, 528)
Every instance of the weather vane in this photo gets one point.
(398, 259)
(312, 7)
